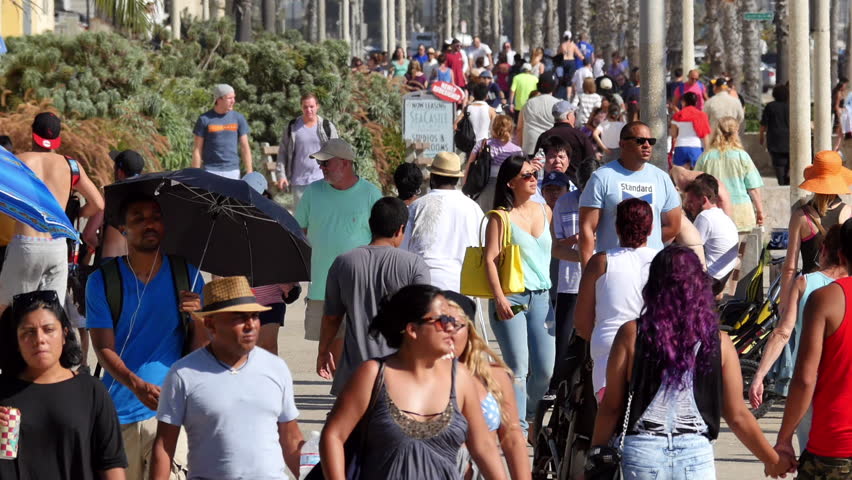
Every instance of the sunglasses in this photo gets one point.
(26, 300)
(442, 322)
(641, 140)
(323, 163)
(527, 176)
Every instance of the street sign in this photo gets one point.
(759, 16)
(429, 120)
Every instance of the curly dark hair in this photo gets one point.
(11, 361)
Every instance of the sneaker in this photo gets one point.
(549, 396)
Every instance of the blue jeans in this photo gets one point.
(651, 457)
(528, 347)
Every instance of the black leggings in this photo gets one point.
(781, 164)
(565, 303)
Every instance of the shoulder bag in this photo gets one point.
(353, 448)
(474, 277)
(479, 172)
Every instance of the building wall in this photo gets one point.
(30, 18)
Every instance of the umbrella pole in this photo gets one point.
(251, 258)
(204, 253)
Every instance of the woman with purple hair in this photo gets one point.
(683, 376)
(610, 291)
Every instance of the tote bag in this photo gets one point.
(474, 280)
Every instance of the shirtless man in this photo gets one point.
(34, 260)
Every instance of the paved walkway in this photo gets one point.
(733, 460)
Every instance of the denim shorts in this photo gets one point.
(684, 457)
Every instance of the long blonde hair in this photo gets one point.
(726, 134)
(821, 201)
(479, 358)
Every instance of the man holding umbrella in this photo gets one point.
(35, 260)
(134, 314)
(334, 212)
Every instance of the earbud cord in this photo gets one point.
(139, 298)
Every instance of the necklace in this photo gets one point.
(231, 369)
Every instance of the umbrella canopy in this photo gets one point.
(24, 197)
(221, 225)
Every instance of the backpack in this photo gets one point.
(326, 127)
(113, 288)
(465, 137)
(479, 172)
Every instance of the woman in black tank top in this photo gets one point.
(683, 376)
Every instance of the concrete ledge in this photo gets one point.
(764, 164)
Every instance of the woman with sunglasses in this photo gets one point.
(68, 426)
(522, 322)
(731, 164)
(494, 390)
(425, 407)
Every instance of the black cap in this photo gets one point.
(130, 162)
(548, 79)
(468, 305)
(46, 130)
(720, 82)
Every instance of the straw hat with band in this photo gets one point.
(229, 294)
(827, 175)
(447, 164)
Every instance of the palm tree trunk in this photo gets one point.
(485, 29)
(834, 34)
(321, 19)
(782, 32)
(518, 25)
(551, 24)
(632, 39)
(750, 81)
(456, 16)
(496, 23)
(476, 23)
(536, 34)
(715, 46)
(403, 26)
(731, 27)
(345, 19)
(564, 8)
(384, 22)
(582, 13)
(242, 12)
(392, 38)
(267, 8)
(674, 33)
(607, 27)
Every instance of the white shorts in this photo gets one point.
(34, 263)
(232, 174)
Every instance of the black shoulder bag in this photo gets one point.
(479, 172)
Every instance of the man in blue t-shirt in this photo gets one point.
(631, 176)
(587, 49)
(218, 132)
(138, 348)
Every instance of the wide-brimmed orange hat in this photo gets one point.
(827, 175)
(229, 294)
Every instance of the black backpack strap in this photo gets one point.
(326, 127)
(113, 289)
(181, 282)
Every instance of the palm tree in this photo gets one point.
(633, 32)
(781, 34)
(715, 45)
(130, 15)
(582, 13)
(607, 27)
(732, 31)
(518, 25)
(834, 34)
(751, 52)
(267, 14)
(674, 33)
(551, 24)
(242, 15)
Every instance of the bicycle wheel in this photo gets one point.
(749, 369)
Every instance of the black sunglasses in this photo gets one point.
(25, 300)
(641, 140)
(441, 322)
(528, 175)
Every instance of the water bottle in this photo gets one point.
(310, 455)
(539, 157)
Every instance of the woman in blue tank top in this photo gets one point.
(424, 407)
(494, 387)
(522, 322)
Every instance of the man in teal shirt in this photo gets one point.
(335, 213)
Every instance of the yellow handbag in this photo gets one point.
(474, 280)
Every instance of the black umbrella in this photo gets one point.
(221, 225)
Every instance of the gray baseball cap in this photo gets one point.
(563, 107)
(221, 90)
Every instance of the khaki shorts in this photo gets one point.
(313, 320)
(139, 441)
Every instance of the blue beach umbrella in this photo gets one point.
(24, 197)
